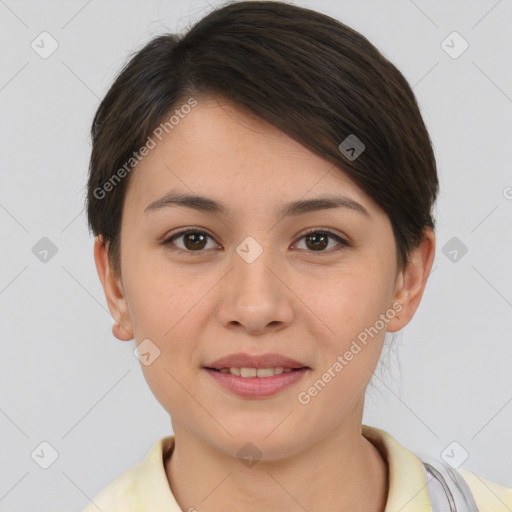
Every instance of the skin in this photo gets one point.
(293, 299)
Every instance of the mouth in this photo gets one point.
(246, 372)
(256, 383)
(255, 365)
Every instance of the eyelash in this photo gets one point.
(342, 242)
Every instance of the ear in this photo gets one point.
(411, 282)
(112, 286)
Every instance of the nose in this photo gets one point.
(255, 296)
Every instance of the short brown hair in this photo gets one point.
(310, 75)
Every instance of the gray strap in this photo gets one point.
(457, 490)
(441, 497)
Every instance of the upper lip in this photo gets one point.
(255, 361)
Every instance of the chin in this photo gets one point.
(255, 442)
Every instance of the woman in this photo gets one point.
(261, 193)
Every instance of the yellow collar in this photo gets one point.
(144, 488)
(408, 490)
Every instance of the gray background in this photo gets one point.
(66, 380)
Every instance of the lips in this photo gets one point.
(242, 360)
(259, 387)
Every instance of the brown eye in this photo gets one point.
(192, 241)
(317, 241)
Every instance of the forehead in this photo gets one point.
(221, 150)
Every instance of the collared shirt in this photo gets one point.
(145, 488)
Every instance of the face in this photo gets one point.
(247, 278)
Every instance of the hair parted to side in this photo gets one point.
(308, 74)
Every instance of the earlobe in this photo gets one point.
(411, 282)
(112, 286)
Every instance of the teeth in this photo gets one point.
(256, 372)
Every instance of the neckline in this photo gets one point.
(407, 489)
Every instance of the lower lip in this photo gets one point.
(255, 387)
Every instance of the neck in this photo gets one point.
(341, 471)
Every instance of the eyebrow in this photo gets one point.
(299, 207)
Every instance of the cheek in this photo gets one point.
(162, 297)
(171, 389)
(347, 303)
(350, 339)
(169, 317)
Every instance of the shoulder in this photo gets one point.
(489, 496)
(142, 487)
(118, 495)
(408, 473)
